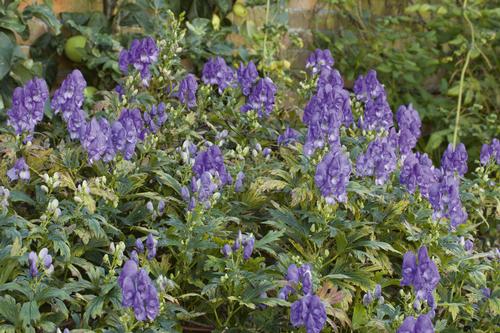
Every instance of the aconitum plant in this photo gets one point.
(28, 105)
(455, 159)
(247, 75)
(319, 59)
(332, 175)
(20, 170)
(409, 125)
(140, 56)
(491, 151)
(261, 99)
(217, 72)
(186, 92)
(379, 160)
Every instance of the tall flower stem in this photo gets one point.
(462, 75)
(268, 6)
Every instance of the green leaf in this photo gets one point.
(359, 316)
(94, 308)
(9, 309)
(18, 196)
(45, 14)
(6, 54)
(29, 312)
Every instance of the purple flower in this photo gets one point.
(20, 170)
(248, 245)
(330, 79)
(226, 250)
(379, 160)
(141, 54)
(139, 245)
(310, 312)
(289, 135)
(32, 261)
(332, 176)
(261, 98)
(292, 274)
(368, 87)
(238, 241)
(455, 159)
(238, 184)
(155, 118)
(417, 170)
(367, 298)
(305, 276)
(217, 72)
(187, 91)
(409, 268)
(28, 104)
(94, 138)
(134, 256)
(266, 152)
(408, 325)
(409, 128)
(134, 130)
(319, 59)
(285, 292)
(495, 147)
(377, 293)
(212, 161)
(138, 292)
(247, 75)
(161, 206)
(488, 151)
(468, 245)
(444, 197)
(486, 292)
(423, 324)
(151, 247)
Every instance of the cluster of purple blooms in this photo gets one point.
(371, 92)
(262, 97)
(150, 248)
(376, 295)
(307, 311)
(68, 100)
(247, 75)
(489, 151)
(138, 291)
(417, 170)
(247, 242)
(409, 124)
(187, 91)
(422, 324)
(28, 104)
(20, 170)
(455, 159)
(422, 274)
(329, 108)
(380, 158)
(44, 257)
(332, 175)
(217, 72)
(210, 175)
(141, 54)
(288, 136)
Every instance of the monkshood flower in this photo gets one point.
(379, 160)
(212, 161)
(141, 54)
(422, 275)
(417, 170)
(28, 103)
(288, 136)
(238, 184)
(370, 296)
(332, 175)
(486, 292)
(68, 100)
(94, 138)
(44, 258)
(444, 197)
(151, 247)
(423, 324)
(248, 245)
(217, 72)
(319, 59)
(139, 245)
(294, 276)
(308, 312)
(330, 78)
(138, 292)
(20, 170)
(409, 124)
(455, 159)
(261, 98)
(368, 87)
(133, 125)
(488, 151)
(467, 244)
(187, 91)
(155, 118)
(266, 152)
(247, 75)
(245, 241)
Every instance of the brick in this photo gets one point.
(302, 4)
(60, 6)
(300, 18)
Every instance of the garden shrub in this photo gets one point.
(176, 203)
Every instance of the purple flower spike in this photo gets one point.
(28, 104)
(217, 72)
(285, 292)
(151, 246)
(423, 325)
(486, 292)
(332, 176)
(212, 161)
(455, 159)
(319, 59)
(139, 245)
(32, 261)
(409, 268)
(226, 250)
(417, 171)
(310, 312)
(379, 160)
(409, 128)
(292, 274)
(247, 75)
(444, 197)
(20, 170)
(187, 91)
(262, 98)
(305, 276)
(238, 184)
(140, 56)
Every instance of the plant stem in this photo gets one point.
(268, 5)
(462, 75)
